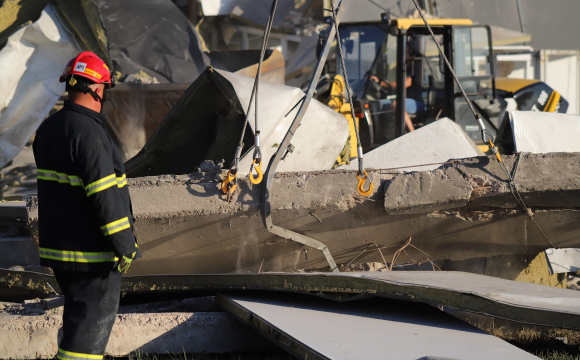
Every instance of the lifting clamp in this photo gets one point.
(230, 183)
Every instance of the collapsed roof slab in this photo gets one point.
(463, 211)
(512, 300)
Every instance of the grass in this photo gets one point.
(275, 355)
(556, 355)
(545, 342)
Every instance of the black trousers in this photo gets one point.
(90, 309)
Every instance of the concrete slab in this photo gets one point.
(434, 143)
(422, 192)
(312, 328)
(513, 300)
(541, 133)
(186, 226)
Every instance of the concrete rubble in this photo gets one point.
(193, 325)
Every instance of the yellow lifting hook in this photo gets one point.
(228, 187)
(258, 167)
(495, 151)
(361, 182)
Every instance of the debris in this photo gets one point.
(217, 97)
(437, 142)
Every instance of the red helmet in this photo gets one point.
(89, 66)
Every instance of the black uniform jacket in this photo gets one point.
(84, 209)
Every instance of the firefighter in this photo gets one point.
(84, 210)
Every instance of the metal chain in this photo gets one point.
(347, 86)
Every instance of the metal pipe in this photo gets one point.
(520, 16)
(401, 90)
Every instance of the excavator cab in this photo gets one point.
(381, 55)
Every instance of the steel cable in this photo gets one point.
(511, 181)
(254, 94)
(348, 93)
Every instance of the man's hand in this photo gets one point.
(124, 263)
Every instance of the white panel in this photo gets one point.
(30, 66)
(370, 329)
(563, 260)
(560, 71)
(318, 141)
(540, 132)
(218, 7)
(436, 142)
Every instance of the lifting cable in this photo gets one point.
(362, 175)
(484, 132)
(230, 183)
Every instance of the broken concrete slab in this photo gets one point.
(434, 143)
(424, 192)
(185, 225)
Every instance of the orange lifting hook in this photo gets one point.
(256, 180)
(226, 187)
(361, 182)
(495, 151)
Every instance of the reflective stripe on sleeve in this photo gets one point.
(102, 184)
(122, 181)
(77, 256)
(69, 355)
(62, 178)
(116, 226)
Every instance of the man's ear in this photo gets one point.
(98, 89)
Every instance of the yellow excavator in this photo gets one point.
(380, 55)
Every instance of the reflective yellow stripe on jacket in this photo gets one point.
(122, 181)
(69, 355)
(116, 226)
(77, 256)
(105, 183)
(100, 185)
(62, 178)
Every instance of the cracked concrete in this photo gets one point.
(543, 180)
(460, 211)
